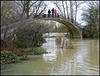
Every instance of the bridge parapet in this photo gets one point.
(46, 16)
(57, 16)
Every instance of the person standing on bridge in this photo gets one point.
(53, 12)
(49, 13)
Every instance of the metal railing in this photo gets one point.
(49, 16)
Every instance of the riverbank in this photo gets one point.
(8, 57)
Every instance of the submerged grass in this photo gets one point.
(37, 51)
(8, 57)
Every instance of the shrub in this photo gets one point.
(18, 52)
(37, 51)
(24, 57)
(30, 36)
(8, 57)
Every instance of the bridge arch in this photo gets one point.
(74, 30)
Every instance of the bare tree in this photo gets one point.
(77, 4)
(71, 10)
(37, 6)
(58, 6)
(67, 10)
(64, 9)
(40, 7)
(26, 6)
(9, 14)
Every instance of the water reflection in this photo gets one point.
(51, 48)
(77, 61)
(83, 59)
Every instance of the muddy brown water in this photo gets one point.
(83, 59)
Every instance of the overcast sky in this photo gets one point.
(81, 9)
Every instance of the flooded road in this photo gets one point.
(83, 59)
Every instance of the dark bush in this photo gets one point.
(30, 36)
(8, 57)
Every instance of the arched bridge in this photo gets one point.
(73, 29)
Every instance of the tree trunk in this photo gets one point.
(76, 13)
(64, 9)
(67, 11)
(71, 10)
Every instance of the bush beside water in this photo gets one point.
(28, 36)
(8, 57)
(37, 51)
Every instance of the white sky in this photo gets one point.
(51, 5)
(79, 17)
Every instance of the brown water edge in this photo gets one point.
(83, 59)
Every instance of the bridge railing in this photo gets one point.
(47, 16)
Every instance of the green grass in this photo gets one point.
(8, 57)
(37, 51)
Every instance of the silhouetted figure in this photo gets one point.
(57, 15)
(49, 13)
(53, 12)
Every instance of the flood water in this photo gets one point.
(83, 59)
